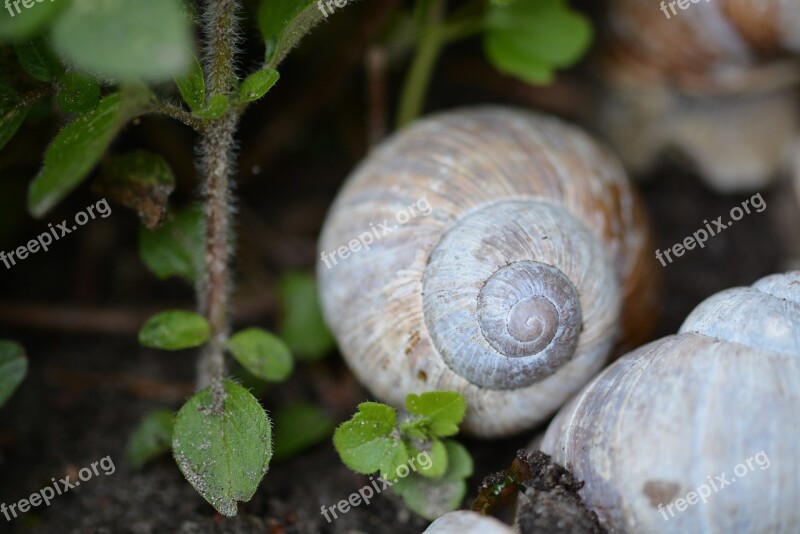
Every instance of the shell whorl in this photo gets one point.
(506, 314)
(510, 289)
(765, 316)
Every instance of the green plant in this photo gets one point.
(527, 39)
(377, 440)
(73, 53)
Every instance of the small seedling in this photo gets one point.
(377, 440)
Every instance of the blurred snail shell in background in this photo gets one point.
(713, 410)
(532, 261)
(715, 82)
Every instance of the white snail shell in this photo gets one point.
(675, 414)
(510, 290)
(712, 82)
(467, 522)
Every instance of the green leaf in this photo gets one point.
(257, 84)
(530, 40)
(145, 39)
(223, 446)
(17, 23)
(262, 354)
(298, 427)
(38, 60)
(77, 149)
(283, 23)
(175, 330)
(302, 325)
(79, 93)
(215, 109)
(445, 409)
(140, 180)
(175, 249)
(151, 439)
(416, 428)
(192, 86)
(13, 368)
(433, 497)
(368, 442)
(437, 459)
(12, 114)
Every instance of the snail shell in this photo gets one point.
(719, 47)
(714, 83)
(511, 289)
(467, 522)
(673, 415)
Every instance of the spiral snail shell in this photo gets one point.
(511, 289)
(715, 407)
(713, 81)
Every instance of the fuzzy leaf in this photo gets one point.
(437, 458)
(192, 86)
(215, 109)
(175, 330)
(283, 23)
(140, 180)
(367, 442)
(151, 439)
(264, 355)
(298, 427)
(302, 326)
(13, 368)
(79, 93)
(223, 446)
(38, 60)
(444, 409)
(76, 150)
(530, 40)
(175, 249)
(12, 114)
(257, 84)
(145, 39)
(433, 497)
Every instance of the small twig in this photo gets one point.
(375, 63)
(178, 113)
(138, 386)
(119, 322)
(122, 322)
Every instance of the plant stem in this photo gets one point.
(216, 148)
(428, 49)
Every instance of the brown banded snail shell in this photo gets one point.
(511, 290)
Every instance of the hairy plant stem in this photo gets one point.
(216, 148)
